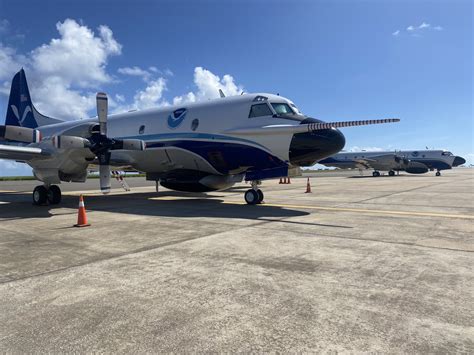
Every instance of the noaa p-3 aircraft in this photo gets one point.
(196, 147)
(410, 161)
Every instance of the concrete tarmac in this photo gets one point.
(361, 264)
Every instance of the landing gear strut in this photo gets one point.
(46, 194)
(375, 173)
(438, 173)
(254, 195)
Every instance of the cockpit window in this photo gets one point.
(293, 106)
(260, 110)
(282, 109)
(447, 153)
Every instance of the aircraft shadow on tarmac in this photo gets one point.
(162, 204)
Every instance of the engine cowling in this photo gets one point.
(20, 134)
(70, 142)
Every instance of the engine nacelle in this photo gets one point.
(20, 134)
(416, 168)
(70, 142)
(129, 144)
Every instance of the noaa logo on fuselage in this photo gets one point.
(177, 117)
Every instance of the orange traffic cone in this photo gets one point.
(308, 188)
(281, 181)
(81, 214)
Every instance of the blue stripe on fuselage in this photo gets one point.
(225, 157)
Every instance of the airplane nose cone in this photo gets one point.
(307, 149)
(458, 161)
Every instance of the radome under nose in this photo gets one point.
(307, 149)
(458, 161)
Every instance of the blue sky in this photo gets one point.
(337, 60)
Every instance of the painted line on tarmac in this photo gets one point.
(360, 210)
(338, 209)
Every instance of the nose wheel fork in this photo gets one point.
(254, 195)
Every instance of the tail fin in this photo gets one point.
(20, 111)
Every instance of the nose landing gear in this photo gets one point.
(254, 195)
(438, 173)
(46, 194)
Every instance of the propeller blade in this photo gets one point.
(104, 171)
(102, 104)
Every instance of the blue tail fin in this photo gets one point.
(20, 111)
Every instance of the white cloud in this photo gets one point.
(63, 75)
(78, 57)
(151, 96)
(416, 30)
(136, 71)
(424, 25)
(208, 85)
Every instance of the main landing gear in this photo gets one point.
(391, 173)
(46, 194)
(254, 195)
(376, 173)
(438, 173)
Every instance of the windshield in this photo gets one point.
(282, 109)
(296, 109)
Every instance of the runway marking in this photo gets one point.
(361, 210)
(340, 209)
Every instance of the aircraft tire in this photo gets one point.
(40, 195)
(251, 197)
(260, 196)
(438, 173)
(375, 174)
(54, 195)
(391, 173)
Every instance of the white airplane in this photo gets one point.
(411, 161)
(196, 147)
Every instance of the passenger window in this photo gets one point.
(194, 124)
(260, 110)
(141, 130)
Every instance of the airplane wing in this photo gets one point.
(303, 128)
(22, 153)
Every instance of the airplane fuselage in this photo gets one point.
(196, 140)
(412, 161)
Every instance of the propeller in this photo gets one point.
(101, 145)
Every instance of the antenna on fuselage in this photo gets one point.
(221, 93)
